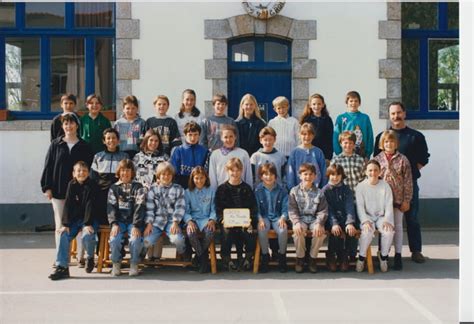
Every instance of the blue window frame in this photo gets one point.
(85, 39)
(430, 60)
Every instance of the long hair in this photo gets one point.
(249, 97)
(308, 111)
(194, 112)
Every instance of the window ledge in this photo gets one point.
(433, 124)
(25, 125)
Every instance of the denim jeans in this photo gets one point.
(176, 239)
(135, 244)
(413, 225)
(89, 242)
(282, 234)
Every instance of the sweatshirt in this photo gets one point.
(217, 172)
(302, 155)
(92, 131)
(275, 157)
(104, 166)
(360, 124)
(307, 205)
(168, 130)
(184, 158)
(145, 166)
(374, 201)
(187, 117)
(131, 133)
(211, 131)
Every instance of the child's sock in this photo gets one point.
(361, 258)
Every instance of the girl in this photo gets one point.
(94, 123)
(316, 113)
(130, 127)
(151, 154)
(188, 111)
(200, 216)
(396, 171)
(249, 124)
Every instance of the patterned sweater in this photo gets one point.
(307, 205)
(165, 204)
(126, 203)
(131, 133)
(145, 166)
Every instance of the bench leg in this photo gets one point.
(256, 260)
(100, 261)
(72, 249)
(212, 254)
(370, 264)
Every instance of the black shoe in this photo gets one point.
(81, 263)
(195, 262)
(59, 273)
(282, 266)
(299, 266)
(397, 262)
(90, 265)
(204, 263)
(418, 257)
(264, 263)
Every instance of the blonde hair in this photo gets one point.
(280, 101)
(165, 167)
(251, 98)
(388, 135)
(234, 163)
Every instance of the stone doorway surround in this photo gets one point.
(300, 32)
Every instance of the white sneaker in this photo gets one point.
(383, 264)
(116, 269)
(133, 270)
(360, 265)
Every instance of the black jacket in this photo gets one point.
(58, 165)
(80, 202)
(240, 196)
(324, 129)
(249, 130)
(340, 201)
(126, 203)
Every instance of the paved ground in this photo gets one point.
(426, 293)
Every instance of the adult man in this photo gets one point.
(413, 146)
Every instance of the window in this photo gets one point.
(430, 59)
(48, 49)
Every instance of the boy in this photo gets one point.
(307, 209)
(272, 203)
(219, 158)
(78, 215)
(375, 211)
(286, 127)
(235, 193)
(94, 123)
(268, 154)
(212, 126)
(189, 155)
(306, 153)
(130, 127)
(164, 125)
(68, 104)
(126, 209)
(165, 208)
(359, 123)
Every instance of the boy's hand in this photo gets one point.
(367, 226)
(174, 228)
(336, 230)
(49, 194)
(387, 227)
(88, 229)
(261, 224)
(211, 225)
(298, 229)
(191, 227)
(318, 230)
(351, 230)
(115, 230)
(136, 232)
(282, 223)
(63, 229)
(405, 206)
(148, 229)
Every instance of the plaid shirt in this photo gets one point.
(353, 168)
(165, 204)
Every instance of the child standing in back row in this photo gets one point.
(286, 127)
(187, 112)
(249, 124)
(130, 126)
(94, 123)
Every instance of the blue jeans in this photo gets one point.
(176, 239)
(413, 225)
(89, 242)
(282, 234)
(135, 244)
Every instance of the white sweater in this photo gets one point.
(374, 201)
(217, 172)
(287, 130)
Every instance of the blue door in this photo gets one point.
(259, 66)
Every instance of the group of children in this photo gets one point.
(178, 176)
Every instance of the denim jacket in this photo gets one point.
(340, 204)
(279, 202)
(200, 206)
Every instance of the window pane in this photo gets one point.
(104, 76)
(416, 15)
(411, 74)
(275, 52)
(7, 15)
(67, 70)
(453, 15)
(444, 74)
(93, 14)
(44, 14)
(22, 78)
(243, 52)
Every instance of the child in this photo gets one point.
(126, 209)
(396, 171)
(78, 215)
(375, 211)
(249, 124)
(268, 154)
(212, 126)
(104, 168)
(130, 127)
(235, 193)
(94, 123)
(200, 216)
(306, 152)
(286, 127)
(68, 104)
(341, 219)
(165, 208)
(188, 111)
(316, 113)
(164, 125)
(359, 123)
(189, 155)
(218, 158)
(272, 203)
(150, 156)
(308, 210)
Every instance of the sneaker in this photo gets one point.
(90, 265)
(299, 266)
(360, 265)
(116, 269)
(313, 267)
(397, 262)
(231, 266)
(133, 270)
(418, 257)
(246, 263)
(59, 273)
(383, 264)
(282, 266)
(81, 263)
(264, 263)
